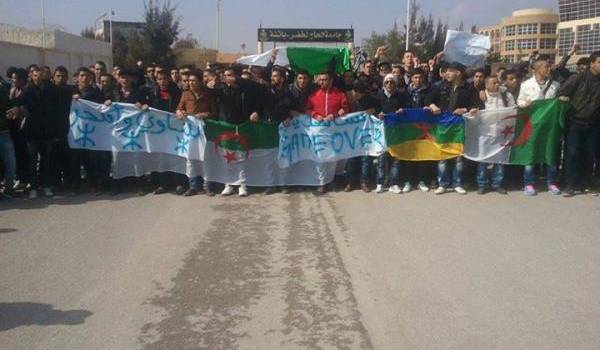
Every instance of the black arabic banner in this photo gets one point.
(305, 35)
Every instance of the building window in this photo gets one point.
(548, 28)
(578, 9)
(509, 45)
(547, 43)
(527, 44)
(525, 29)
(509, 59)
(509, 31)
(588, 39)
(566, 39)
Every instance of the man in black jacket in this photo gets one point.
(130, 91)
(457, 96)
(165, 97)
(61, 154)
(301, 88)
(421, 172)
(359, 168)
(95, 163)
(391, 100)
(279, 107)
(583, 136)
(42, 128)
(240, 100)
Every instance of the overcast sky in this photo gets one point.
(241, 18)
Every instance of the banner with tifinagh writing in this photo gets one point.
(259, 154)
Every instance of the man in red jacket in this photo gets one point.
(325, 104)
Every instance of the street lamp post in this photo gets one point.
(407, 23)
(43, 25)
(218, 25)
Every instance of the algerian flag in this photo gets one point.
(516, 136)
(234, 143)
(248, 153)
(315, 60)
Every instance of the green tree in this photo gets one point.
(189, 42)
(155, 42)
(426, 38)
(120, 49)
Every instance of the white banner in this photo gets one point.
(466, 48)
(149, 141)
(123, 127)
(356, 134)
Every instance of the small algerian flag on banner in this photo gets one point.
(236, 143)
(516, 136)
(312, 59)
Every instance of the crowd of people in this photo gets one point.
(35, 104)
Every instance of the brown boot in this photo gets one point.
(348, 188)
(365, 188)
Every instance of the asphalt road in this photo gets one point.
(341, 271)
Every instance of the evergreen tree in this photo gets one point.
(155, 42)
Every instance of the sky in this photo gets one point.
(241, 18)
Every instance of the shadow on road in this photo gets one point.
(13, 315)
(7, 230)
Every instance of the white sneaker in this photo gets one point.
(48, 192)
(439, 190)
(379, 189)
(227, 191)
(396, 189)
(243, 191)
(32, 194)
(460, 190)
(423, 187)
(407, 187)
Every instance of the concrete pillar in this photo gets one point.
(259, 47)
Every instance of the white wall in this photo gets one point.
(21, 47)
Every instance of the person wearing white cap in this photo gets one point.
(392, 100)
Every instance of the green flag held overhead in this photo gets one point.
(319, 59)
(315, 60)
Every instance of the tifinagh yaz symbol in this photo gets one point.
(131, 136)
(85, 139)
(182, 144)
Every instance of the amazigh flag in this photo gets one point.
(312, 59)
(417, 135)
(516, 136)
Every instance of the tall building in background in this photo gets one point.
(579, 24)
(523, 33)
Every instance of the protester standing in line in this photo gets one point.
(326, 104)
(457, 96)
(494, 98)
(539, 87)
(583, 135)
(200, 102)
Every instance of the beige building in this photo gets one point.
(579, 24)
(201, 57)
(495, 34)
(522, 33)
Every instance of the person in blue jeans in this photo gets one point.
(457, 96)
(391, 100)
(583, 137)
(539, 87)
(359, 168)
(494, 97)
